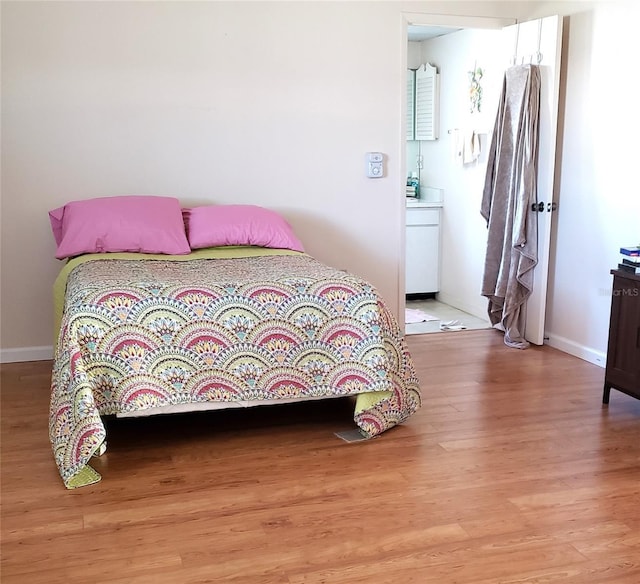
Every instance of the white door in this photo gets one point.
(540, 41)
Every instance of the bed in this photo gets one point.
(220, 326)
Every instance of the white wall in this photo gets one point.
(276, 104)
(414, 58)
(265, 103)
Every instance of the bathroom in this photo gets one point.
(446, 236)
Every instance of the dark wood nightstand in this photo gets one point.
(623, 354)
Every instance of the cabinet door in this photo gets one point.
(427, 103)
(422, 251)
(411, 103)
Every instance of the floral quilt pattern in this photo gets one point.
(138, 334)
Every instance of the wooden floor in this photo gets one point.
(512, 472)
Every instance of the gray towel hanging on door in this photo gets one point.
(509, 191)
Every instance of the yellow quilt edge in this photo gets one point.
(365, 401)
(85, 476)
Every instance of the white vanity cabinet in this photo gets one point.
(422, 271)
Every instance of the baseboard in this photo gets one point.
(587, 353)
(26, 354)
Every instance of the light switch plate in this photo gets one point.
(375, 164)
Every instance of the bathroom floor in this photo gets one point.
(444, 314)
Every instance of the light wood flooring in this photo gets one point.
(512, 472)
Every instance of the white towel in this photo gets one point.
(413, 316)
(466, 146)
(470, 146)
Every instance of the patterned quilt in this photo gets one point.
(144, 333)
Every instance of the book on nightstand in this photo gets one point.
(630, 251)
(630, 269)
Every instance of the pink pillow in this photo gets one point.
(218, 225)
(145, 224)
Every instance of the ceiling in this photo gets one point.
(417, 33)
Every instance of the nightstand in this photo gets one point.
(623, 353)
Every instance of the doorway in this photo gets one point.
(448, 182)
(471, 50)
